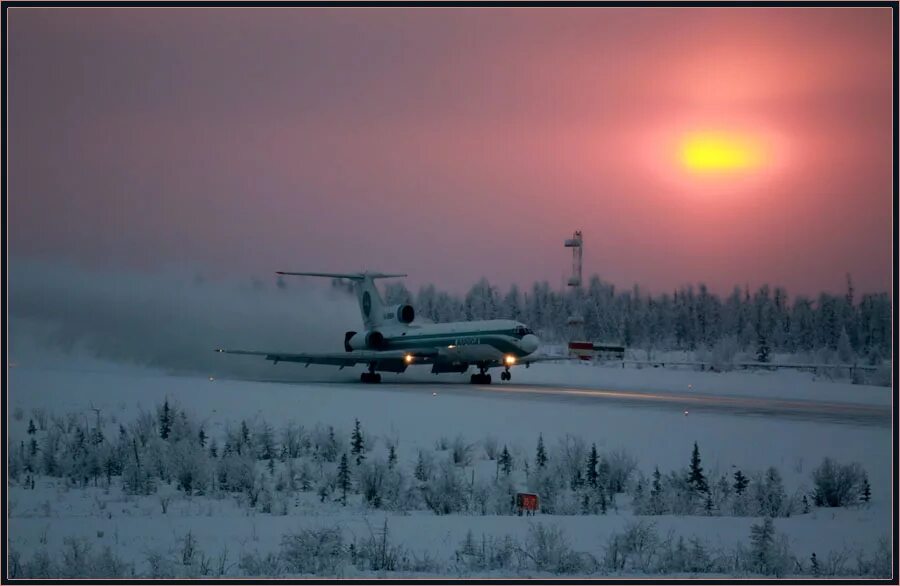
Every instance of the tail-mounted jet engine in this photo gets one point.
(405, 313)
(347, 338)
(375, 340)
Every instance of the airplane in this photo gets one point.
(393, 341)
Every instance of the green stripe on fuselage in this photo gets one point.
(473, 333)
(501, 340)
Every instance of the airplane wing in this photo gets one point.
(542, 358)
(341, 359)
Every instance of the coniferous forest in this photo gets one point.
(844, 327)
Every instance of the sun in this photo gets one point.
(720, 152)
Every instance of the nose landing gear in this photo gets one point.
(506, 375)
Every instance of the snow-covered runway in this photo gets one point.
(845, 413)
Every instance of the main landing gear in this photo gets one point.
(482, 378)
(370, 377)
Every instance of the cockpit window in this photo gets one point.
(522, 331)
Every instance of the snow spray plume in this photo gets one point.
(173, 321)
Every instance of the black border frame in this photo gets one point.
(895, 9)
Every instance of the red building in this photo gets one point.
(526, 502)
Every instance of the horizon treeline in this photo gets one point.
(690, 318)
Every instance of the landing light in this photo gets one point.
(408, 358)
(510, 360)
(451, 346)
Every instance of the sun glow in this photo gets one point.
(716, 152)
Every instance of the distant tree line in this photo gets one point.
(766, 320)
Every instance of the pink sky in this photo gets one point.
(454, 143)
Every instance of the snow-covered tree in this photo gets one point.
(540, 458)
(696, 478)
(357, 443)
(343, 478)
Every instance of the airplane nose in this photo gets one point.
(530, 343)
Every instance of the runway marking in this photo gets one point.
(735, 405)
(831, 411)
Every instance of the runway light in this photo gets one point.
(212, 378)
(408, 358)
(685, 412)
(510, 359)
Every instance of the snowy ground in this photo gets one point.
(418, 415)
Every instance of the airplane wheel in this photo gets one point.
(487, 379)
(505, 376)
(481, 379)
(474, 379)
(370, 377)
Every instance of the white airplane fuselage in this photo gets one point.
(474, 341)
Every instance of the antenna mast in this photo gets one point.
(576, 321)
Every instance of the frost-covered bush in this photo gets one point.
(768, 492)
(722, 355)
(491, 447)
(488, 553)
(377, 553)
(320, 552)
(837, 485)
(372, 481)
(635, 549)
(460, 451)
(686, 556)
(567, 460)
(236, 472)
(769, 553)
(444, 493)
(189, 464)
(325, 444)
(78, 561)
(546, 549)
(295, 441)
(254, 564)
(501, 496)
(546, 483)
(621, 466)
(878, 564)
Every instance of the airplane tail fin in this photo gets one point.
(371, 306)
